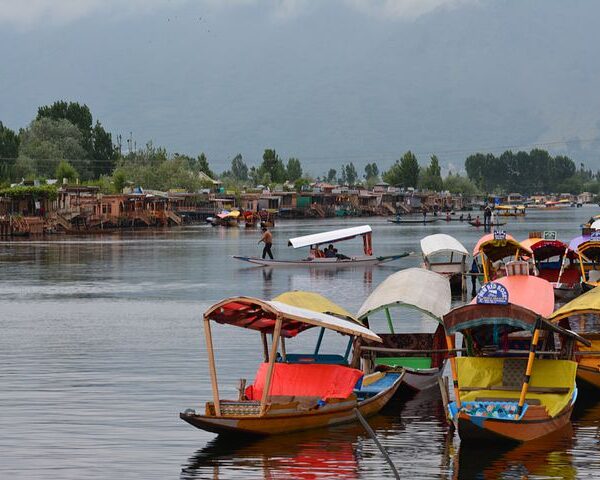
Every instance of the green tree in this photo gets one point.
(45, 142)
(273, 167)
(351, 174)
(104, 152)
(78, 115)
(293, 169)
(9, 151)
(119, 180)
(432, 176)
(371, 171)
(332, 175)
(201, 165)
(404, 172)
(66, 170)
(239, 169)
(458, 184)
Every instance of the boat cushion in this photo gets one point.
(410, 362)
(324, 381)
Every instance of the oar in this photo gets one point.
(371, 433)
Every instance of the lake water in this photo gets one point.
(101, 347)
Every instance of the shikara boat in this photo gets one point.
(226, 218)
(510, 210)
(588, 253)
(444, 254)
(317, 258)
(582, 315)
(495, 247)
(475, 223)
(291, 392)
(421, 355)
(505, 389)
(412, 221)
(555, 262)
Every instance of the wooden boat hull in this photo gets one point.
(419, 381)
(563, 291)
(274, 423)
(588, 377)
(321, 262)
(480, 224)
(478, 429)
(413, 221)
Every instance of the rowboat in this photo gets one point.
(504, 390)
(444, 254)
(475, 223)
(550, 258)
(496, 247)
(581, 315)
(420, 355)
(317, 258)
(588, 253)
(412, 221)
(291, 392)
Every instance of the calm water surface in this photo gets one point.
(101, 347)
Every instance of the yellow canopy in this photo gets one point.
(315, 302)
(589, 302)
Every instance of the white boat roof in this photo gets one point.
(595, 225)
(329, 237)
(256, 314)
(441, 243)
(414, 287)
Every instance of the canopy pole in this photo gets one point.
(583, 277)
(534, 342)
(283, 352)
(562, 265)
(348, 347)
(211, 366)
(486, 275)
(319, 340)
(265, 394)
(389, 319)
(450, 344)
(265, 347)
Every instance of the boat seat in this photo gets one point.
(529, 401)
(516, 388)
(594, 276)
(409, 362)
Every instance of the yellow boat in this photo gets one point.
(510, 210)
(292, 392)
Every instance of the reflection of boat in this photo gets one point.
(573, 316)
(317, 258)
(502, 392)
(550, 258)
(412, 221)
(292, 392)
(445, 255)
(420, 355)
(497, 246)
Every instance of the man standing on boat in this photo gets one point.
(267, 238)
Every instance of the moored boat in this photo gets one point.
(497, 249)
(291, 392)
(444, 254)
(588, 253)
(412, 221)
(420, 355)
(505, 391)
(318, 258)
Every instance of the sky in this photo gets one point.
(327, 81)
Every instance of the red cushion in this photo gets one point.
(311, 380)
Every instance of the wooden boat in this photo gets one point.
(317, 258)
(495, 247)
(420, 355)
(588, 253)
(581, 315)
(226, 219)
(291, 392)
(475, 223)
(554, 262)
(504, 389)
(445, 255)
(510, 210)
(412, 221)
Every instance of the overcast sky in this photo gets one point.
(328, 81)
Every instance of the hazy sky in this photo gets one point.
(328, 81)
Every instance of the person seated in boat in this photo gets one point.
(469, 217)
(448, 216)
(498, 270)
(477, 221)
(330, 252)
(462, 217)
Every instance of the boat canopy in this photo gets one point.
(497, 249)
(595, 225)
(574, 244)
(329, 237)
(314, 301)
(509, 207)
(226, 214)
(589, 302)
(544, 249)
(442, 243)
(261, 315)
(414, 287)
(590, 250)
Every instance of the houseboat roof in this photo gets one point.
(422, 289)
(442, 243)
(329, 237)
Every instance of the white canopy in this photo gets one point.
(257, 314)
(595, 225)
(442, 243)
(414, 287)
(329, 237)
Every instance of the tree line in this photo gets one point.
(64, 141)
